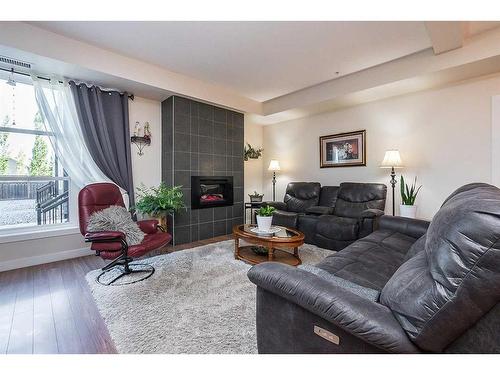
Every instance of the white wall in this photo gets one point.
(444, 137)
(495, 140)
(253, 167)
(146, 169)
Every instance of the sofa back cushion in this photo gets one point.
(328, 196)
(447, 287)
(353, 198)
(302, 195)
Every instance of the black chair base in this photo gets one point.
(127, 269)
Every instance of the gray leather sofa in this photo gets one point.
(331, 216)
(409, 287)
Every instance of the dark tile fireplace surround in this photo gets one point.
(202, 150)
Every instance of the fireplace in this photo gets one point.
(211, 191)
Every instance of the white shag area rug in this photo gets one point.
(198, 301)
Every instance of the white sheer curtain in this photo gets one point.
(58, 111)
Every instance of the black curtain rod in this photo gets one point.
(130, 96)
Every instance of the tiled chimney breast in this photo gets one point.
(201, 139)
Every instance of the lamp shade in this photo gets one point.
(274, 165)
(392, 159)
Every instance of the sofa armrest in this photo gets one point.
(319, 210)
(368, 221)
(148, 226)
(371, 213)
(411, 227)
(367, 320)
(106, 236)
(278, 205)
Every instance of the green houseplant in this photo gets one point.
(408, 196)
(160, 201)
(265, 218)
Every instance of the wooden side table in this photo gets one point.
(251, 206)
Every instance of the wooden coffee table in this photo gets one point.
(282, 246)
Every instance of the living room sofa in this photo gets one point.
(331, 216)
(409, 287)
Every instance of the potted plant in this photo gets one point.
(159, 202)
(256, 197)
(408, 195)
(264, 218)
(251, 153)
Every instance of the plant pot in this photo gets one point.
(162, 220)
(408, 211)
(255, 198)
(264, 223)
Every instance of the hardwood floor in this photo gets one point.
(49, 308)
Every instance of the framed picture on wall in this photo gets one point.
(343, 150)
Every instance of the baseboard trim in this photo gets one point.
(43, 259)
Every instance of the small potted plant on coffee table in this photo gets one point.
(265, 218)
(408, 196)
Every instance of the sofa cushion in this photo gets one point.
(338, 228)
(328, 196)
(370, 261)
(319, 210)
(307, 225)
(302, 195)
(285, 219)
(445, 289)
(353, 198)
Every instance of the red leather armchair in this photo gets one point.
(112, 244)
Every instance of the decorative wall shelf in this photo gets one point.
(140, 142)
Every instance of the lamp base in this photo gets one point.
(393, 184)
(274, 186)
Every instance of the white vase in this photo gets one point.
(408, 211)
(264, 223)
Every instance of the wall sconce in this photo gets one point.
(141, 141)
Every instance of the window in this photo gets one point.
(34, 187)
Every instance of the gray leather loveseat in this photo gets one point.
(409, 287)
(331, 216)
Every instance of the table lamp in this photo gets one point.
(392, 160)
(274, 166)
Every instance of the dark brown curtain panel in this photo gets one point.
(104, 119)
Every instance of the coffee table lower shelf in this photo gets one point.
(246, 254)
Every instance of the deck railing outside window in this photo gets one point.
(33, 200)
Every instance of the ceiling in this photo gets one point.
(275, 71)
(258, 60)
